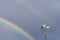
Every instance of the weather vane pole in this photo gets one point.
(44, 29)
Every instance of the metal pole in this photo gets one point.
(45, 36)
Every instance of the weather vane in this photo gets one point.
(44, 29)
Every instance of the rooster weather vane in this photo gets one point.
(44, 29)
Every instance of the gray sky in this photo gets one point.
(31, 14)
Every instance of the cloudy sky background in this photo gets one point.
(31, 14)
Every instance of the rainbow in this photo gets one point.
(17, 27)
(30, 8)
